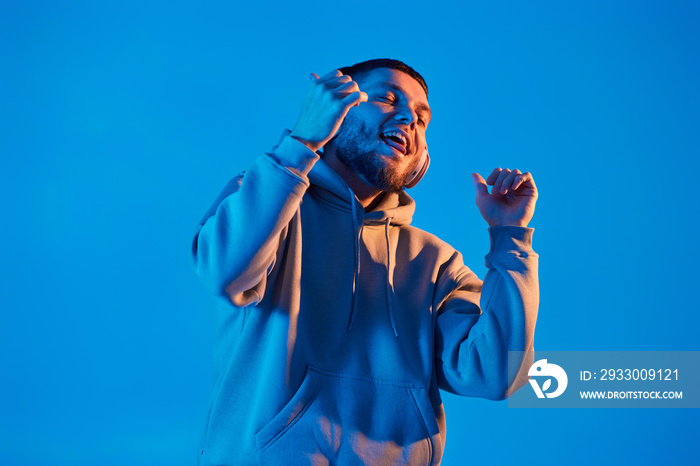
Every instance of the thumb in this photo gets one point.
(479, 185)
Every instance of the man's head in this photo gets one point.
(382, 140)
(359, 69)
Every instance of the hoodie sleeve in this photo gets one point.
(237, 240)
(477, 324)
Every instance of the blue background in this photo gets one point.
(121, 122)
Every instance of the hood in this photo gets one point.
(399, 207)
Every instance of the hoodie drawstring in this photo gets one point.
(389, 280)
(355, 231)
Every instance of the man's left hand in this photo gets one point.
(512, 198)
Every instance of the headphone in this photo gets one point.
(420, 169)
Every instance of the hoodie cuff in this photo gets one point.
(294, 155)
(511, 239)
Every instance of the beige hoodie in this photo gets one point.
(336, 327)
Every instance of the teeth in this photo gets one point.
(397, 135)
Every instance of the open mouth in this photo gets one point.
(396, 140)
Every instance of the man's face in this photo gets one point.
(382, 139)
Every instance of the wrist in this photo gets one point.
(314, 146)
(520, 225)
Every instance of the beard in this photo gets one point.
(357, 148)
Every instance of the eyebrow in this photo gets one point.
(421, 106)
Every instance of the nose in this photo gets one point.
(407, 116)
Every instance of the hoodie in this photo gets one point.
(335, 328)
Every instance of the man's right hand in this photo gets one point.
(327, 101)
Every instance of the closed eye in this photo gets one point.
(387, 98)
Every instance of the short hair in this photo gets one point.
(369, 65)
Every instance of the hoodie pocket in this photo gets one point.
(341, 419)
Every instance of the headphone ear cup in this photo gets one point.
(420, 169)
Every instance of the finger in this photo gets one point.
(329, 76)
(519, 180)
(313, 76)
(337, 82)
(480, 185)
(355, 99)
(493, 176)
(499, 181)
(347, 88)
(528, 182)
(508, 181)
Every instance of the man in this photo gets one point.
(338, 322)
